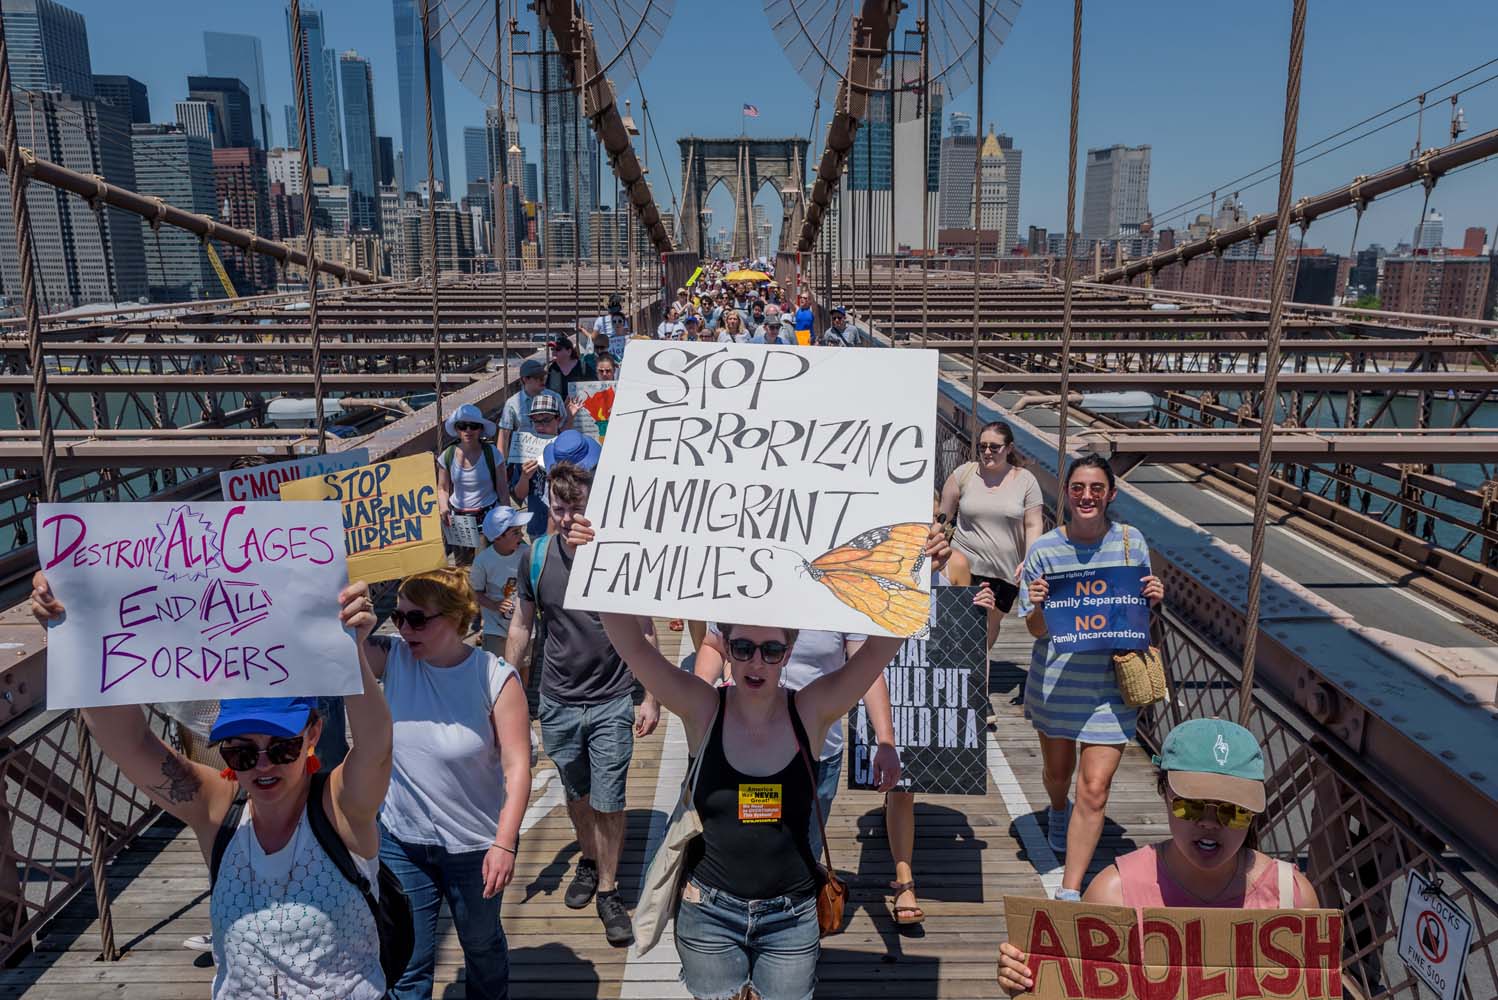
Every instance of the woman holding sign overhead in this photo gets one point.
(287, 920)
(1073, 697)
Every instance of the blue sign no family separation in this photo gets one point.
(1093, 610)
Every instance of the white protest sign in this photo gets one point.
(462, 530)
(263, 482)
(1434, 937)
(194, 602)
(765, 485)
(527, 447)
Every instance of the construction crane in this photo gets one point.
(218, 269)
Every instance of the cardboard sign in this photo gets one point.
(1081, 951)
(263, 482)
(462, 531)
(194, 602)
(1434, 937)
(598, 403)
(390, 524)
(752, 483)
(937, 692)
(1098, 609)
(527, 447)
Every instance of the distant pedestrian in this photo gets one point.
(493, 574)
(805, 319)
(614, 325)
(671, 328)
(470, 478)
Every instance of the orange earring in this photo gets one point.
(228, 774)
(313, 764)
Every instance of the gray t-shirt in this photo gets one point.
(579, 665)
(991, 522)
(517, 411)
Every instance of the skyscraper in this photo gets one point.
(993, 201)
(385, 162)
(532, 182)
(363, 151)
(1430, 233)
(958, 156)
(412, 89)
(242, 192)
(231, 106)
(1116, 190)
(239, 56)
(284, 166)
(1013, 158)
(886, 159)
(48, 48)
(200, 119)
(322, 93)
(178, 169)
(475, 154)
(959, 123)
(571, 181)
(127, 93)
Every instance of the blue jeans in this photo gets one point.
(725, 942)
(429, 875)
(829, 774)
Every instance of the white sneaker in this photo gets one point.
(1068, 896)
(199, 942)
(1056, 823)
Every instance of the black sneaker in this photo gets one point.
(584, 885)
(616, 925)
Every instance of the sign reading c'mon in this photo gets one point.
(263, 482)
(1083, 951)
(194, 602)
(765, 485)
(391, 527)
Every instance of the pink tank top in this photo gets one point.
(1146, 882)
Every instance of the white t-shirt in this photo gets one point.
(446, 785)
(473, 485)
(724, 337)
(616, 330)
(493, 575)
(670, 331)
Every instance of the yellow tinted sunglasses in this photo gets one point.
(1228, 815)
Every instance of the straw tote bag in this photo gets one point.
(1141, 672)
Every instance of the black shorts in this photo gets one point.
(1004, 591)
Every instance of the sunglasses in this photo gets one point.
(986, 448)
(417, 620)
(537, 418)
(245, 757)
(466, 426)
(743, 651)
(1082, 489)
(1228, 815)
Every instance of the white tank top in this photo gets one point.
(289, 922)
(473, 487)
(446, 786)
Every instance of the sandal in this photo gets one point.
(675, 625)
(905, 916)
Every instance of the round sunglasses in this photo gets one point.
(245, 757)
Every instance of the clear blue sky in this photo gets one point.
(1202, 81)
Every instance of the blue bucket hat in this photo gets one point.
(572, 446)
(281, 717)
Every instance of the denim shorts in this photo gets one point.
(591, 746)
(725, 942)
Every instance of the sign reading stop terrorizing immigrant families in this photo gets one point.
(759, 484)
(194, 602)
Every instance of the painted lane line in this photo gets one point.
(1026, 821)
(551, 796)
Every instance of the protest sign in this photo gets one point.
(193, 602)
(1082, 951)
(938, 687)
(263, 482)
(462, 530)
(747, 483)
(1098, 609)
(390, 524)
(598, 403)
(527, 447)
(1435, 937)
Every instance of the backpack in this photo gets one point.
(391, 911)
(539, 548)
(449, 457)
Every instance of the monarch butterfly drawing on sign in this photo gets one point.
(877, 573)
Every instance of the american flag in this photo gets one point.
(750, 111)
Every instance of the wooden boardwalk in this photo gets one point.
(969, 853)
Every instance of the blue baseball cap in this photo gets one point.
(283, 717)
(499, 520)
(572, 446)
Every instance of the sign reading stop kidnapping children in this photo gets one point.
(1082, 951)
(750, 483)
(194, 602)
(391, 527)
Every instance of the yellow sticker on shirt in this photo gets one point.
(759, 803)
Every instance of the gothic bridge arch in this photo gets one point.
(743, 164)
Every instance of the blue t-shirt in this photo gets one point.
(805, 319)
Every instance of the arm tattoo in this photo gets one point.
(180, 782)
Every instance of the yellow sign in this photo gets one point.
(391, 528)
(693, 279)
(759, 803)
(1082, 951)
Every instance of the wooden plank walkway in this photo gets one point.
(969, 853)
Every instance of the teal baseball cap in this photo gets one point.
(1216, 760)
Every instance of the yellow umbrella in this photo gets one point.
(746, 276)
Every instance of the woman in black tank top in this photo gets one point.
(748, 914)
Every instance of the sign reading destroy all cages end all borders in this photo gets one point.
(1083, 951)
(765, 485)
(391, 528)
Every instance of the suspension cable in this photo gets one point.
(309, 222)
(1068, 276)
(426, 65)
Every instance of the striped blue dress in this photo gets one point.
(1074, 696)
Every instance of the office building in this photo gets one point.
(331, 208)
(81, 256)
(1115, 190)
(532, 182)
(324, 131)
(242, 192)
(1013, 161)
(959, 123)
(475, 154)
(955, 185)
(897, 149)
(125, 92)
(1474, 240)
(285, 213)
(1365, 271)
(178, 169)
(231, 107)
(385, 160)
(284, 166)
(48, 48)
(200, 118)
(410, 81)
(498, 136)
(1430, 232)
(570, 187)
(454, 251)
(515, 167)
(993, 201)
(363, 149)
(240, 57)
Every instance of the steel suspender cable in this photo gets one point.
(1270, 402)
(978, 229)
(426, 65)
(501, 246)
(926, 106)
(1070, 263)
(299, 42)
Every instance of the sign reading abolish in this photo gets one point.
(193, 602)
(390, 524)
(936, 690)
(263, 482)
(742, 482)
(1082, 951)
(1098, 609)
